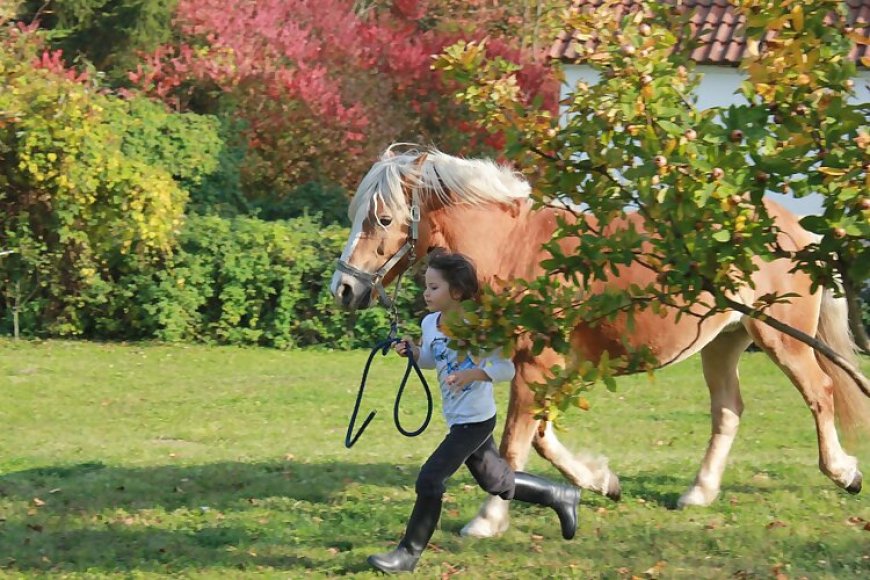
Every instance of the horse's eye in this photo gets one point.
(385, 220)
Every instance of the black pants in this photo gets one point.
(473, 445)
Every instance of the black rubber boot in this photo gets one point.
(562, 498)
(404, 558)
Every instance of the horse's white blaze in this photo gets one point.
(355, 234)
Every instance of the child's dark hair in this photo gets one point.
(459, 272)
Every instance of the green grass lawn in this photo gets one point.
(148, 460)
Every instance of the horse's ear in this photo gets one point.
(421, 159)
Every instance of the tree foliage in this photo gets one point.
(243, 281)
(108, 33)
(79, 188)
(321, 86)
(308, 92)
(636, 142)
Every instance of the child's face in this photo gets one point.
(437, 294)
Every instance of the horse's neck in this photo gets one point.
(503, 243)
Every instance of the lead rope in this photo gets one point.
(384, 347)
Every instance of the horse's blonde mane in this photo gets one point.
(470, 181)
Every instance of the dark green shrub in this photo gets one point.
(327, 202)
(248, 282)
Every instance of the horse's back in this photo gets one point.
(671, 337)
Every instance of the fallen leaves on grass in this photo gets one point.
(655, 570)
(859, 522)
(778, 574)
(450, 570)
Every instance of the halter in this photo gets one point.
(374, 281)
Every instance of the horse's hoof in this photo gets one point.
(614, 490)
(481, 528)
(696, 497)
(855, 486)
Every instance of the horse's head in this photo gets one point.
(394, 216)
(385, 214)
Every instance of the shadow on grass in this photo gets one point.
(152, 550)
(97, 487)
(232, 515)
(289, 516)
(665, 490)
(654, 488)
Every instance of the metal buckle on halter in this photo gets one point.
(415, 213)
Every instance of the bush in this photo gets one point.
(327, 202)
(75, 199)
(245, 281)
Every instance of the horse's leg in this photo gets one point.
(492, 519)
(719, 360)
(516, 441)
(593, 475)
(798, 361)
(587, 472)
(520, 429)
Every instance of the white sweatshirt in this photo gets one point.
(475, 402)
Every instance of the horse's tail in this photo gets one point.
(850, 404)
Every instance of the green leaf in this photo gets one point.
(669, 127)
(815, 223)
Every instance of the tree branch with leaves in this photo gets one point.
(635, 142)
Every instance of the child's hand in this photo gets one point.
(404, 347)
(461, 379)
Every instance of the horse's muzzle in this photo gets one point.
(352, 295)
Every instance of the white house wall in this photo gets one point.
(719, 85)
(719, 88)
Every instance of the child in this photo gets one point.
(469, 408)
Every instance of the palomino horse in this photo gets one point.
(409, 203)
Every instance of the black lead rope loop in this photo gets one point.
(384, 347)
(412, 364)
(348, 441)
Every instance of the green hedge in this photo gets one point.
(239, 281)
(247, 281)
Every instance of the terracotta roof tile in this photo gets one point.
(715, 25)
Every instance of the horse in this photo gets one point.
(412, 201)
